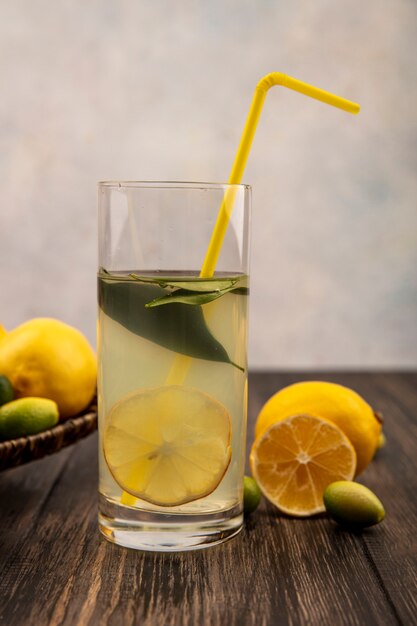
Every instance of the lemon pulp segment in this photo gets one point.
(294, 460)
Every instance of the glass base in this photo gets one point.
(165, 532)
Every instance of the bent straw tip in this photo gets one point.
(347, 106)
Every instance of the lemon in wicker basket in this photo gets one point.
(49, 359)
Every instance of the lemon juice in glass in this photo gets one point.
(172, 385)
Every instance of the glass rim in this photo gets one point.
(167, 184)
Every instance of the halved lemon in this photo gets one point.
(168, 445)
(294, 461)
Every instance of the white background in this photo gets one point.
(160, 90)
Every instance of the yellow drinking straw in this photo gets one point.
(268, 81)
(181, 364)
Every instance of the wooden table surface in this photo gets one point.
(57, 569)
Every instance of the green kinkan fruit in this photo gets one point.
(352, 504)
(251, 495)
(6, 390)
(27, 416)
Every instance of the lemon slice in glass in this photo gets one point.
(168, 445)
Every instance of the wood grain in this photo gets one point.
(57, 570)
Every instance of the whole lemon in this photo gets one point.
(338, 404)
(49, 359)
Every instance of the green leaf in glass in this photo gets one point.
(192, 297)
(179, 327)
(209, 285)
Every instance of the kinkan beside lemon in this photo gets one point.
(27, 416)
(353, 505)
(251, 495)
(47, 358)
(335, 403)
(6, 390)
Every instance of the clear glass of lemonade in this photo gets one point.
(172, 346)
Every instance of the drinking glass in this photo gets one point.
(172, 350)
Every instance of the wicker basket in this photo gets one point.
(16, 452)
